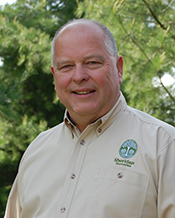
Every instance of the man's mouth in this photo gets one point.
(83, 92)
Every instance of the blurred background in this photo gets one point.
(144, 32)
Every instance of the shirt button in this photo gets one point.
(82, 142)
(73, 176)
(63, 209)
(99, 130)
(120, 175)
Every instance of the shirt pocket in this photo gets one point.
(117, 194)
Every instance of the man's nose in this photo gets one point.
(80, 73)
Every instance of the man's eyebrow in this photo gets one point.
(94, 56)
(59, 63)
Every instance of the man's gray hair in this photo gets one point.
(109, 39)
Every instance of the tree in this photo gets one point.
(28, 103)
(145, 33)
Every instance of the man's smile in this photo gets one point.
(83, 92)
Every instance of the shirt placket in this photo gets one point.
(72, 177)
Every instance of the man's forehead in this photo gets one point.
(73, 26)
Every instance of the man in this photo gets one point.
(106, 160)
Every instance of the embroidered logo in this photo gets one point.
(124, 162)
(128, 149)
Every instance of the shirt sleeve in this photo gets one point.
(13, 209)
(166, 184)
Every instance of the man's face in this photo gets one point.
(86, 76)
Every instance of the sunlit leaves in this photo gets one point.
(145, 34)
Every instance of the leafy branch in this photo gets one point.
(132, 39)
(159, 73)
(156, 18)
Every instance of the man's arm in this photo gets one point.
(166, 184)
(13, 209)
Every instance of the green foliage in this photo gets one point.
(28, 102)
(14, 139)
(145, 34)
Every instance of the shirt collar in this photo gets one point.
(104, 122)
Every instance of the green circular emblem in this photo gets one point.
(128, 149)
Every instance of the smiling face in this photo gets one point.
(87, 78)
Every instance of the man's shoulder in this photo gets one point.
(147, 119)
(52, 130)
(45, 141)
(47, 137)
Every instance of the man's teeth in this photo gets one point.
(83, 92)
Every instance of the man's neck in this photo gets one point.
(81, 121)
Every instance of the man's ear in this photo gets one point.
(53, 72)
(52, 69)
(120, 68)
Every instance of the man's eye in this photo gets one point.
(93, 64)
(65, 67)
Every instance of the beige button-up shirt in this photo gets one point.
(121, 166)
